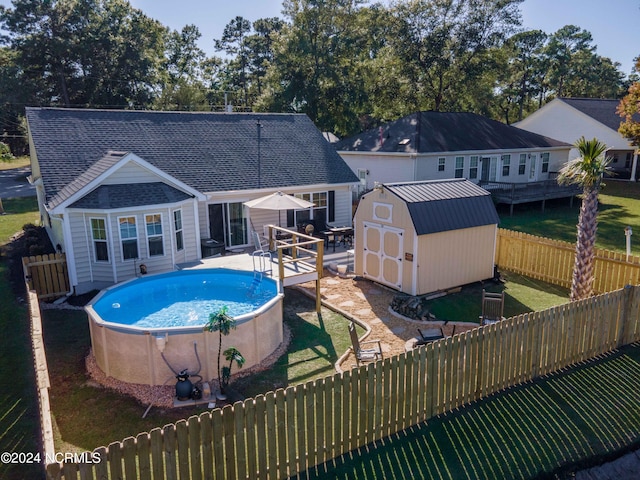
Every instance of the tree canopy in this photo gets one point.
(348, 64)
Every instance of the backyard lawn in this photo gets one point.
(315, 346)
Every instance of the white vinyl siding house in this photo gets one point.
(451, 145)
(568, 119)
(128, 188)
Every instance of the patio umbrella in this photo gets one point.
(278, 201)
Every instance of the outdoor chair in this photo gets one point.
(260, 243)
(364, 354)
(492, 308)
(429, 335)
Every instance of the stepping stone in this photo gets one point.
(348, 303)
(375, 321)
(333, 296)
(364, 312)
(361, 295)
(331, 281)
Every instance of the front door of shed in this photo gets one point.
(382, 256)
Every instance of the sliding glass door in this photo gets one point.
(228, 224)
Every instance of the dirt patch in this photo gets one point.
(369, 302)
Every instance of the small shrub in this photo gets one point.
(5, 152)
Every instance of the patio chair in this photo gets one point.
(260, 243)
(429, 335)
(492, 308)
(364, 354)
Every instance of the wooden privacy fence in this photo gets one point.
(47, 275)
(552, 261)
(289, 431)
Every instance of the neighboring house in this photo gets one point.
(568, 119)
(423, 237)
(120, 188)
(439, 145)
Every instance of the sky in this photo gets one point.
(613, 23)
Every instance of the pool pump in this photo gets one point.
(184, 387)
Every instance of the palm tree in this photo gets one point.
(586, 171)
(222, 323)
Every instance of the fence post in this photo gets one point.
(625, 314)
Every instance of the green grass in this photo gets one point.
(19, 422)
(17, 162)
(552, 426)
(619, 207)
(18, 212)
(522, 294)
(315, 346)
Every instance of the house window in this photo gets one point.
(627, 162)
(177, 227)
(441, 164)
(459, 167)
(506, 165)
(545, 162)
(99, 234)
(473, 167)
(154, 234)
(522, 166)
(128, 237)
(615, 158)
(319, 210)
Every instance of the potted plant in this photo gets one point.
(222, 323)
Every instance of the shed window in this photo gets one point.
(506, 165)
(177, 228)
(154, 234)
(99, 234)
(459, 167)
(522, 166)
(545, 162)
(441, 164)
(128, 237)
(473, 167)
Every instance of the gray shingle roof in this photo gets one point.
(210, 152)
(443, 205)
(107, 197)
(602, 110)
(434, 132)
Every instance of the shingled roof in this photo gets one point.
(444, 205)
(435, 132)
(210, 152)
(601, 110)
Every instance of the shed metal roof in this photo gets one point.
(444, 205)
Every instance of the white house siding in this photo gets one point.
(382, 168)
(132, 172)
(258, 218)
(92, 274)
(427, 166)
(563, 122)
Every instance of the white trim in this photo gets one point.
(112, 245)
(414, 267)
(196, 217)
(149, 237)
(137, 238)
(129, 157)
(448, 153)
(93, 240)
(71, 259)
(137, 208)
(88, 244)
(389, 206)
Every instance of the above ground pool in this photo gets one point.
(133, 323)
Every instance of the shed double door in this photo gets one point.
(382, 254)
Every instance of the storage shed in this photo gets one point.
(423, 237)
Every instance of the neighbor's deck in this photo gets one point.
(517, 193)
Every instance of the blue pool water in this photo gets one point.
(184, 298)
